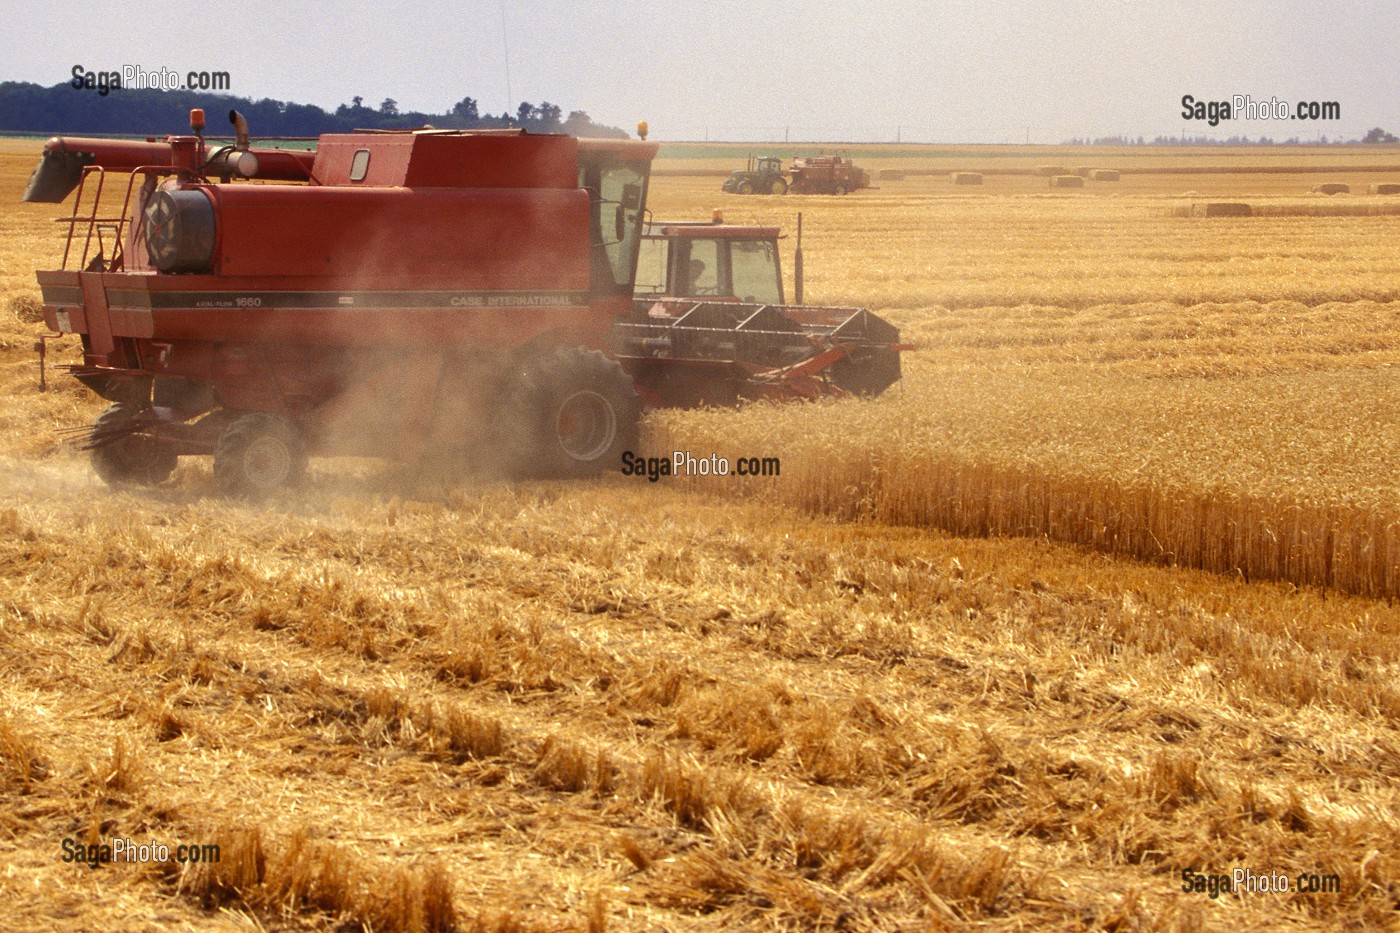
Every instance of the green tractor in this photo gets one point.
(763, 176)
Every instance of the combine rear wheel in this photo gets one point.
(257, 454)
(125, 458)
(839, 189)
(574, 411)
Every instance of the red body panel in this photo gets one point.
(456, 237)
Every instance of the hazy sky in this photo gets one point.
(996, 71)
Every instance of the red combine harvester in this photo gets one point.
(460, 296)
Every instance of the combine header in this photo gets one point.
(710, 325)
(461, 296)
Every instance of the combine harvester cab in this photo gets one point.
(458, 297)
(710, 324)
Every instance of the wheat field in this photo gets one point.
(910, 684)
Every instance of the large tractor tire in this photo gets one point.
(131, 459)
(572, 412)
(745, 187)
(258, 454)
(778, 186)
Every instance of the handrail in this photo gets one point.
(116, 225)
(74, 219)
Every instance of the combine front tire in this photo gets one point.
(126, 458)
(257, 454)
(575, 412)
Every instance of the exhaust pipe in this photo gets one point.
(240, 129)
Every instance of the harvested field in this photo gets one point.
(938, 674)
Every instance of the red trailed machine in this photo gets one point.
(827, 175)
(463, 296)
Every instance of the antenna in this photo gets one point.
(797, 263)
(505, 43)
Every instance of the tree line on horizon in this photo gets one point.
(1376, 135)
(32, 108)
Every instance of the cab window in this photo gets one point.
(617, 192)
(755, 271)
(700, 273)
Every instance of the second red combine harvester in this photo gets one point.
(460, 296)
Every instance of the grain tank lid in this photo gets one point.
(447, 160)
(439, 131)
(627, 149)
